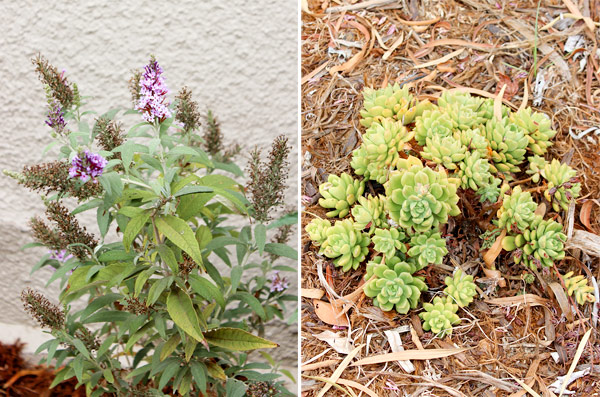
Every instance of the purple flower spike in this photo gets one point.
(278, 284)
(56, 119)
(153, 94)
(60, 255)
(87, 166)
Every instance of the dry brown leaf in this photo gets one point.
(419, 23)
(352, 62)
(541, 210)
(439, 60)
(585, 212)
(338, 372)
(462, 43)
(588, 21)
(586, 241)
(312, 293)
(341, 344)
(519, 300)
(328, 314)
(429, 354)
(512, 87)
(356, 385)
(393, 47)
(313, 73)
(490, 256)
(326, 363)
(561, 298)
(498, 103)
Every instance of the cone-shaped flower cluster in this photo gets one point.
(339, 193)
(395, 287)
(153, 102)
(87, 166)
(578, 286)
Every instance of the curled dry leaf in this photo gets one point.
(585, 212)
(561, 298)
(329, 314)
(512, 87)
(341, 344)
(352, 62)
(519, 300)
(312, 293)
(585, 241)
(490, 256)
(428, 354)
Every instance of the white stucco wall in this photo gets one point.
(238, 57)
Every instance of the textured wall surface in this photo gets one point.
(238, 57)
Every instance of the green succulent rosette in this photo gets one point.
(427, 248)
(578, 286)
(474, 172)
(390, 262)
(563, 186)
(517, 211)
(440, 316)
(487, 109)
(419, 197)
(446, 151)
(473, 140)
(538, 246)
(387, 241)
(340, 193)
(433, 122)
(391, 102)
(538, 127)
(491, 191)
(370, 212)
(317, 230)
(461, 288)
(508, 143)
(464, 117)
(536, 166)
(451, 98)
(347, 245)
(395, 288)
(362, 166)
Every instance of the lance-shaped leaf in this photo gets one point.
(182, 312)
(237, 339)
(181, 234)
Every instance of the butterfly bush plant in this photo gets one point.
(175, 299)
(417, 160)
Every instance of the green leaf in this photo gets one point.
(235, 388)
(112, 183)
(107, 373)
(251, 301)
(168, 374)
(199, 374)
(181, 234)
(281, 250)
(140, 280)
(237, 339)
(192, 204)
(215, 371)
(104, 218)
(260, 235)
(222, 241)
(170, 346)
(229, 167)
(190, 346)
(108, 316)
(133, 228)
(182, 312)
(236, 276)
(167, 256)
(203, 236)
(206, 289)
(97, 304)
(287, 219)
(192, 189)
(157, 288)
(87, 206)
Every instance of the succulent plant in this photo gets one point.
(395, 287)
(440, 316)
(538, 127)
(563, 185)
(487, 109)
(508, 143)
(339, 193)
(427, 248)
(390, 262)
(433, 122)
(317, 230)
(474, 172)
(490, 192)
(348, 245)
(538, 246)
(391, 102)
(578, 285)
(472, 140)
(461, 288)
(419, 197)
(536, 166)
(464, 117)
(446, 151)
(370, 212)
(517, 211)
(387, 241)
(361, 165)
(450, 98)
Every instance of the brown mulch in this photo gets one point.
(497, 39)
(20, 379)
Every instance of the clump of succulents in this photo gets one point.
(387, 241)
(389, 261)
(474, 172)
(538, 128)
(339, 193)
(395, 288)
(420, 198)
(578, 286)
(508, 143)
(391, 102)
(446, 151)
(491, 191)
(517, 211)
(538, 245)
(427, 248)
(472, 140)
(433, 122)
(440, 316)
(536, 167)
(370, 212)
(461, 288)
(563, 185)
(347, 245)
(317, 230)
